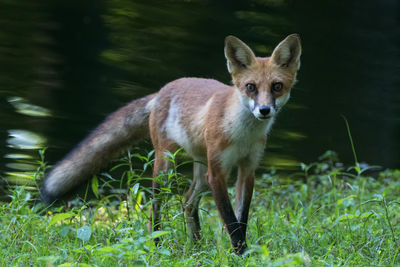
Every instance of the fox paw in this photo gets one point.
(239, 248)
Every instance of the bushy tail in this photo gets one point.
(121, 129)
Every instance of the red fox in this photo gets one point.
(223, 126)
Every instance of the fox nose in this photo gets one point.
(264, 110)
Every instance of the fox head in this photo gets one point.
(264, 83)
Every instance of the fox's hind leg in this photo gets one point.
(161, 167)
(192, 200)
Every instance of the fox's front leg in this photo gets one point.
(244, 193)
(216, 178)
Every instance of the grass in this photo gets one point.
(324, 215)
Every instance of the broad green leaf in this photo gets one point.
(108, 249)
(84, 233)
(64, 231)
(156, 234)
(137, 155)
(135, 189)
(384, 192)
(347, 201)
(164, 251)
(95, 186)
(57, 218)
(48, 259)
(290, 260)
(169, 155)
(150, 154)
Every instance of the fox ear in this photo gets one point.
(239, 56)
(287, 53)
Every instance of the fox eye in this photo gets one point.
(277, 87)
(251, 87)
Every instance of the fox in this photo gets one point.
(220, 126)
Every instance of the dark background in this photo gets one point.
(64, 65)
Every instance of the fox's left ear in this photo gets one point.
(239, 56)
(287, 53)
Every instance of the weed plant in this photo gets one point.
(323, 215)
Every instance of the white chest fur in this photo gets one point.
(246, 135)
